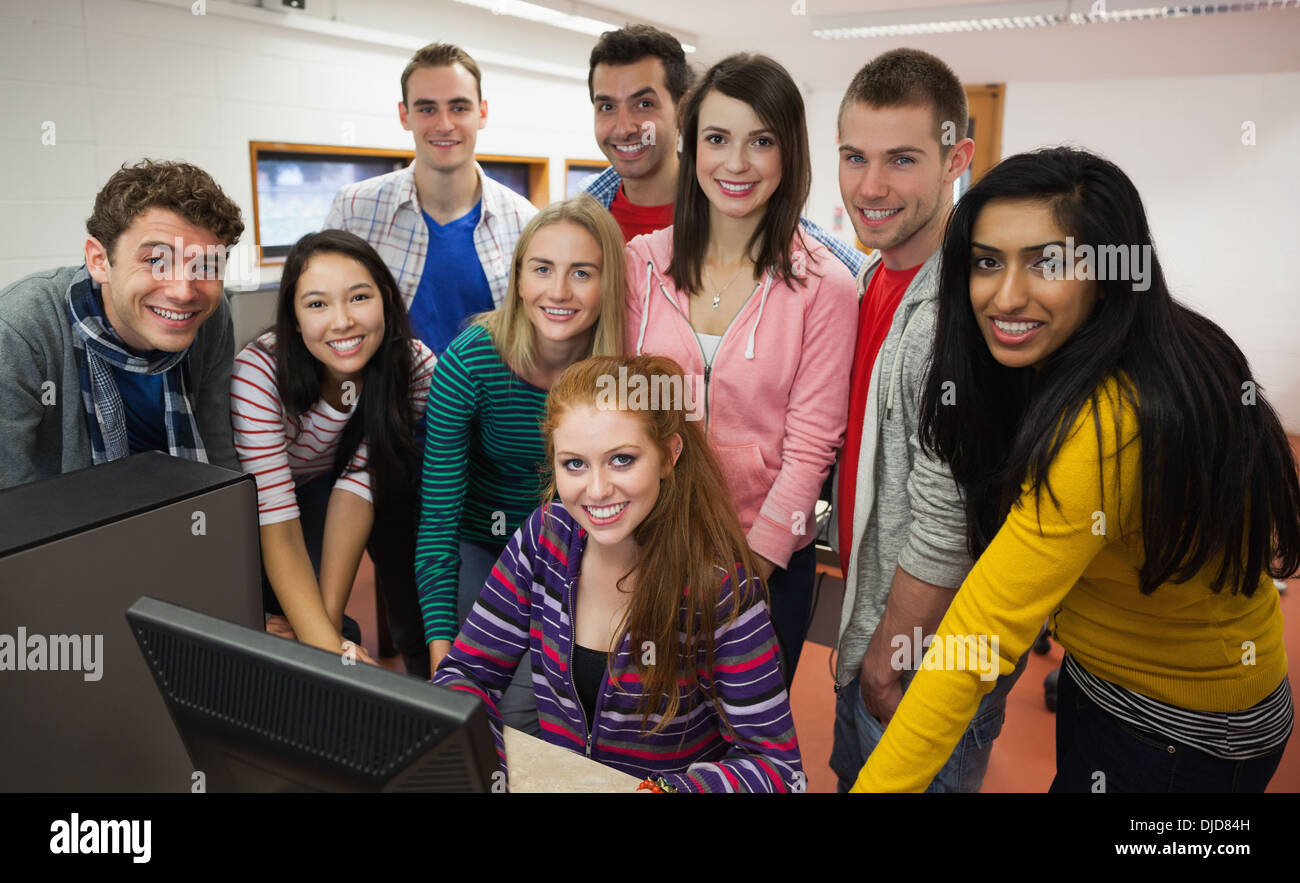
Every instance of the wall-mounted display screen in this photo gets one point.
(295, 191)
(512, 174)
(576, 174)
(294, 185)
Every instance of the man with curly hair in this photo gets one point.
(132, 350)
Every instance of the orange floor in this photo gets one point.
(1024, 756)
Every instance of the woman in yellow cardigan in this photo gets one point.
(1123, 475)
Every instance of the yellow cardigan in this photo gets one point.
(1183, 644)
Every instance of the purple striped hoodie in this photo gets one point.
(525, 610)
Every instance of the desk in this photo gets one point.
(538, 767)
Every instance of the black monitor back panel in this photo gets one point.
(265, 715)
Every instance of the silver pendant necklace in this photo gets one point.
(718, 292)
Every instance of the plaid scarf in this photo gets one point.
(99, 351)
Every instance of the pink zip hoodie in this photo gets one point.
(776, 394)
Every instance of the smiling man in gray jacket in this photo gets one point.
(901, 531)
(132, 350)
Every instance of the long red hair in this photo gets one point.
(690, 533)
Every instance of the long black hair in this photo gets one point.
(1219, 482)
(383, 416)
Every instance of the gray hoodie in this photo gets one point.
(908, 510)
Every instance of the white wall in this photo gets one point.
(1225, 216)
(124, 79)
(822, 107)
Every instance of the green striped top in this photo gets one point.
(481, 475)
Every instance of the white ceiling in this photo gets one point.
(718, 16)
(1224, 44)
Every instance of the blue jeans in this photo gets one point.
(518, 706)
(1096, 751)
(857, 732)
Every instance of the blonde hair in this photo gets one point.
(513, 334)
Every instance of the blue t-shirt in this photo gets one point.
(453, 285)
(146, 410)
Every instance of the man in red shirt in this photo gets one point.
(637, 76)
(901, 526)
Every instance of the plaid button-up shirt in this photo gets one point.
(604, 186)
(385, 212)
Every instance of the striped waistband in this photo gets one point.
(1230, 735)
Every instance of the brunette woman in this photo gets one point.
(763, 314)
(323, 409)
(1124, 475)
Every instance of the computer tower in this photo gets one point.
(75, 552)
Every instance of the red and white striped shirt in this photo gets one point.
(280, 461)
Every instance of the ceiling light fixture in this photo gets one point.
(1018, 15)
(546, 15)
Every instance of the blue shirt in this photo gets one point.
(146, 411)
(452, 285)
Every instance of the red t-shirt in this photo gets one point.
(876, 313)
(636, 219)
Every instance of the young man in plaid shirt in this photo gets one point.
(442, 205)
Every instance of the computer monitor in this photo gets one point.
(81, 712)
(263, 714)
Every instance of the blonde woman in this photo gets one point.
(484, 449)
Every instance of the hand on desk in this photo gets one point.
(279, 625)
(360, 651)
